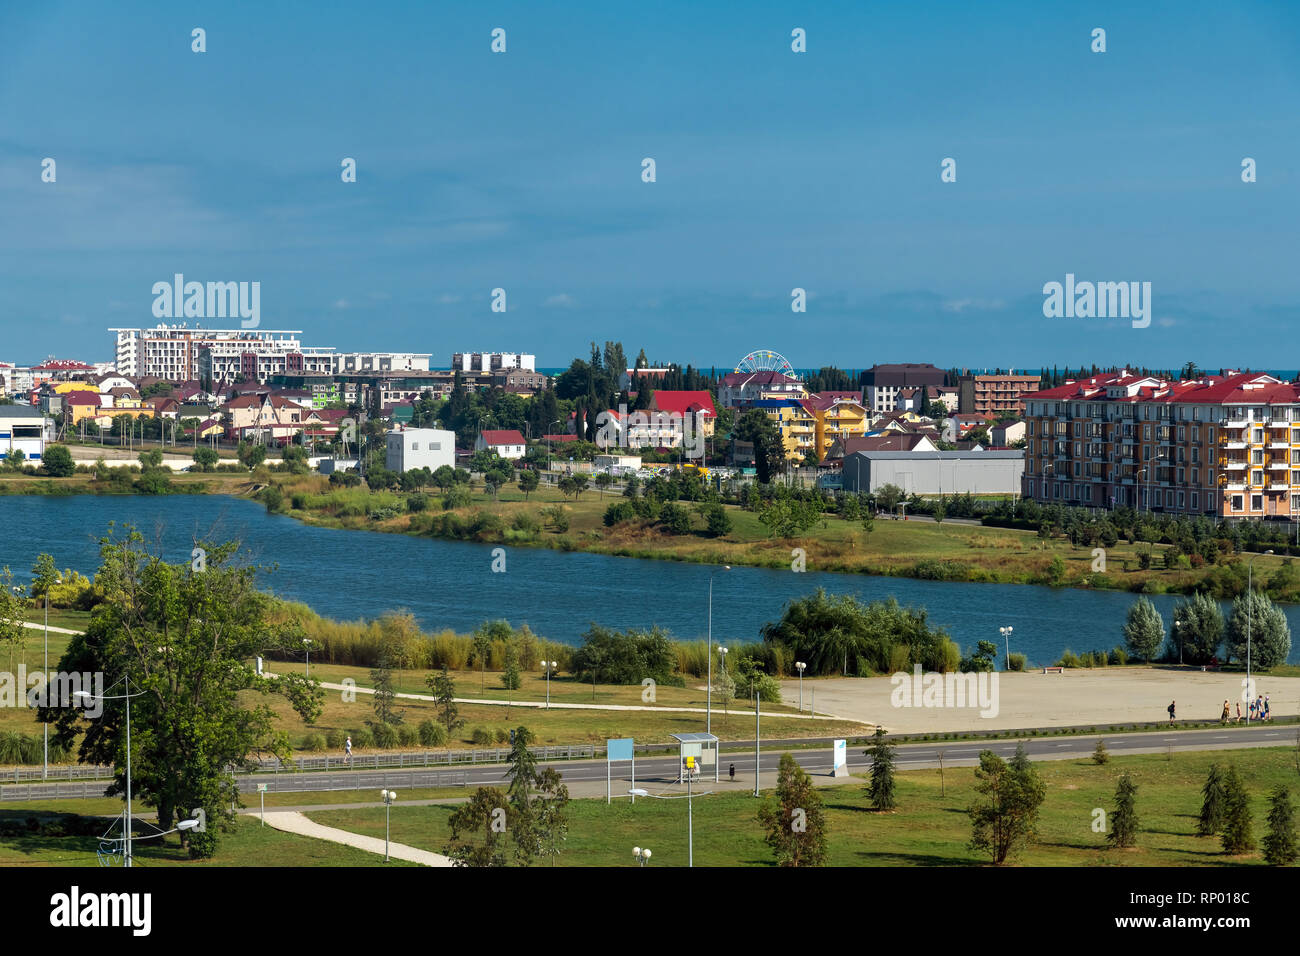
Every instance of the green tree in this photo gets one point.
(881, 788)
(603, 481)
(250, 454)
(1123, 820)
(1200, 628)
(1212, 803)
(385, 695)
(444, 693)
(186, 641)
(888, 496)
(511, 679)
(1270, 635)
(1144, 629)
(796, 823)
(1006, 819)
(444, 477)
(522, 773)
(757, 428)
(478, 829)
(1021, 759)
(1237, 831)
(1101, 755)
(206, 458)
(45, 575)
(1280, 843)
(550, 818)
(528, 482)
(58, 462)
(13, 608)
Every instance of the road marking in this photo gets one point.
(1220, 737)
(1063, 745)
(1272, 735)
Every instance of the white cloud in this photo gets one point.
(563, 300)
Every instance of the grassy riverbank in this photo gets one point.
(922, 549)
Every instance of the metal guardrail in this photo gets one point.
(378, 760)
(356, 781)
(57, 772)
(84, 790)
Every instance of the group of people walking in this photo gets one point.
(1257, 709)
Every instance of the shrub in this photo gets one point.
(481, 737)
(526, 521)
(503, 735)
(313, 743)
(385, 735)
(1119, 656)
(1100, 755)
(417, 502)
(408, 736)
(619, 512)
(432, 734)
(361, 739)
(335, 739)
(1016, 662)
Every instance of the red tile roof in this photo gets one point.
(684, 402)
(506, 436)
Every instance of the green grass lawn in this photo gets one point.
(929, 827)
(248, 843)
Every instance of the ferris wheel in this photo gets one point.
(765, 360)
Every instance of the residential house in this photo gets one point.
(504, 443)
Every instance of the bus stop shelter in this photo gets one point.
(701, 748)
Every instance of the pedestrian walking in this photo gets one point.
(731, 771)
(1238, 711)
(1171, 711)
(1223, 718)
(1267, 716)
(1250, 707)
(347, 747)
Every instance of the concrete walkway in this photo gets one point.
(53, 630)
(293, 822)
(554, 705)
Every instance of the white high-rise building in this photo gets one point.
(488, 362)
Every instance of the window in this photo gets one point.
(1236, 502)
(1256, 502)
(1256, 477)
(1181, 501)
(1209, 477)
(1182, 433)
(1146, 432)
(415, 446)
(1196, 454)
(1195, 501)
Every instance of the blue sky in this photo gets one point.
(775, 170)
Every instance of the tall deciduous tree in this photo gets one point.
(1199, 630)
(444, 693)
(1006, 819)
(186, 639)
(1270, 635)
(1144, 629)
(796, 824)
(478, 829)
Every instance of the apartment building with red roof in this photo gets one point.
(1225, 446)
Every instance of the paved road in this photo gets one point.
(816, 762)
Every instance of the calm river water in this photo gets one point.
(449, 584)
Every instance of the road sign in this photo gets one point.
(261, 788)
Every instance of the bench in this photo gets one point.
(1053, 670)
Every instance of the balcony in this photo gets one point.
(1234, 486)
(1234, 465)
(1283, 445)
(1278, 466)
(1233, 445)
(1235, 422)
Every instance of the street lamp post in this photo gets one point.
(1006, 636)
(83, 695)
(800, 666)
(708, 706)
(642, 854)
(45, 763)
(548, 666)
(306, 643)
(1250, 612)
(548, 447)
(1178, 631)
(390, 796)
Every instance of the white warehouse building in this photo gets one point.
(412, 448)
(25, 428)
